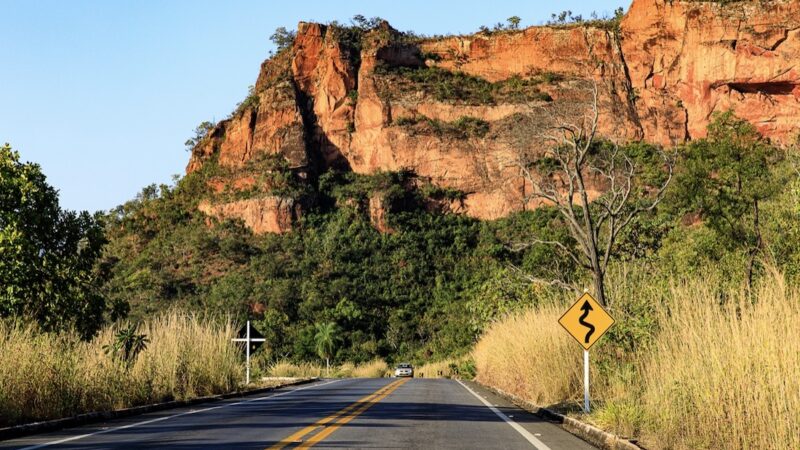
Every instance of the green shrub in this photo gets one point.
(250, 102)
(431, 56)
(551, 77)
(462, 128)
(472, 126)
(567, 18)
(406, 121)
(353, 96)
(446, 85)
(200, 133)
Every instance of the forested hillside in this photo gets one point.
(422, 288)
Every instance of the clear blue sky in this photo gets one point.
(103, 94)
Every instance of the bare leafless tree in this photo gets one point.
(597, 186)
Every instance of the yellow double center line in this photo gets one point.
(336, 420)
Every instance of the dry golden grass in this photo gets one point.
(715, 377)
(47, 376)
(302, 370)
(446, 368)
(376, 368)
(344, 370)
(729, 376)
(436, 369)
(530, 355)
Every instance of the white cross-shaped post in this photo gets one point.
(248, 340)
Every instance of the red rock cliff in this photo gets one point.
(689, 59)
(324, 103)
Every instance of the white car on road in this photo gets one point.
(404, 370)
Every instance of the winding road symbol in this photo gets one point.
(586, 320)
(582, 320)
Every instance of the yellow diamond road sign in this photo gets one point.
(586, 321)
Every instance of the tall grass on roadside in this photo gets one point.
(47, 376)
(376, 368)
(721, 370)
(530, 355)
(292, 370)
(447, 368)
(726, 376)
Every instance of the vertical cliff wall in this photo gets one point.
(451, 109)
(688, 60)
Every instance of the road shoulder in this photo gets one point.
(586, 432)
(545, 430)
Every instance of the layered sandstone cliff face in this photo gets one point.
(688, 60)
(326, 103)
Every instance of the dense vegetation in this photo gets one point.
(49, 257)
(461, 128)
(391, 294)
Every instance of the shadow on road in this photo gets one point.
(239, 427)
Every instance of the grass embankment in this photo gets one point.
(376, 368)
(46, 376)
(721, 368)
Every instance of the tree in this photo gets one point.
(513, 22)
(325, 339)
(725, 178)
(282, 38)
(200, 133)
(564, 17)
(619, 13)
(48, 256)
(598, 187)
(364, 24)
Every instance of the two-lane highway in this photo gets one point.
(349, 413)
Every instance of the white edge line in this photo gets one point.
(528, 436)
(159, 419)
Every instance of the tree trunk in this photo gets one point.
(327, 367)
(599, 286)
(756, 249)
(598, 274)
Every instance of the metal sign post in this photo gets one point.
(586, 321)
(586, 381)
(252, 339)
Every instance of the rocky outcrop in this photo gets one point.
(262, 215)
(377, 214)
(331, 102)
(269, 122)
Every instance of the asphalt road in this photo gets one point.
(349, 413)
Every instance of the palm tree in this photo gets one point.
(127, 345)
(326, 338)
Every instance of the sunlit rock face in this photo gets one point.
(325, 104)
